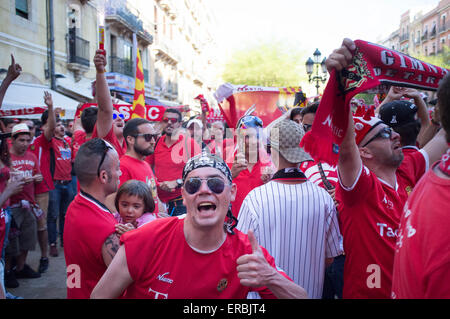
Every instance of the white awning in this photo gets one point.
(25, 95)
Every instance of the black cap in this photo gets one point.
(398, 113)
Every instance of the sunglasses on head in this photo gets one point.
(105, 150)
(172, 120)
(385, 133)
(115, 115)
(215, 184)
(148, 137)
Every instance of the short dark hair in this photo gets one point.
(87, 159)
(138, 189)
(131, 128)
(88, 119)
(44, 118)
(296, 111)
(312, 108)
(176, 112)
(443, 96)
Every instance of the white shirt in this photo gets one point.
(297, 224)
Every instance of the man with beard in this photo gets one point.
(110, 122)
(171, 153)
(374, 182)
(140, 136)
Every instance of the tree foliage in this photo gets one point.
(266, 64)
(442, 59)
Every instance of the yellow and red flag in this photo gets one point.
(138, 108)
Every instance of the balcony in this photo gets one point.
(425, 36)
(122, 66)
(78, 57)
(404, 37)
(123, 19)
(433, 33)
(166, 51)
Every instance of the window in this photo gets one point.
(22, 8)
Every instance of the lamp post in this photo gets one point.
(313, 65)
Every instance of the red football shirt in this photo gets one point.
(88, 223)
(132, 168)
(79, 138)
(4, 177)
(27, 166)
(2, 228)
(171, 269)
(41, 149)
(112, 139)
(169, 162)
(422, 258)
(63, 159)
(369, 215)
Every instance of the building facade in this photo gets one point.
(422, 33)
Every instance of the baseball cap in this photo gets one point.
(20, 128)
(285, 137)
(398, 113)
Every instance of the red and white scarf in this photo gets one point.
(372, 65)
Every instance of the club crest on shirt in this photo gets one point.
(223, 283)
(408, 189)
(355, 74)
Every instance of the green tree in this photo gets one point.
(266, 64)
(442, 59)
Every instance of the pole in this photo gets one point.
(51, 44)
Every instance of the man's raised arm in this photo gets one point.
(104, 101)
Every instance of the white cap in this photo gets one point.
(20, 128)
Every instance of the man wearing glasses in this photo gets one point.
(172, 151)
(110, 122)
(374, 183)
(90, 241)
(199, 255)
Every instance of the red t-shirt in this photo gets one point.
(79, 138)
(246, 181)
(63, 159)
(311, 170)
(41, 149)
(112, 139)
(171, 269)
(132, 168)
(225, 149)
(169, 162)
(88, 223)
(27, 166)
(422, 258)
(369, 216)
(4, 177)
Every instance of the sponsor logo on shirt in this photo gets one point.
(164, 279)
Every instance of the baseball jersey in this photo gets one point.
(88, 223)
(422, 257)
(369, 215)
(164, 266)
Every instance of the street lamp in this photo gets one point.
(314, 64)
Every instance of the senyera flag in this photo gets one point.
(270, 102)
(138, 108)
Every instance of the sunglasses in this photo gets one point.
(148, 137)
(115, 116)
(385, 133)
(105, 150)
(307, 127)
(172, 120)
(215, 184)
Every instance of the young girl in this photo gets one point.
(135, 204)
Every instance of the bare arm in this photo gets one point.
(349, 163)
(104, 101)
(436, 147)
(14, 71)
(115, 279)
(49, 129)
(110, 248)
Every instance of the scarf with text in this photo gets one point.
(373, 66)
